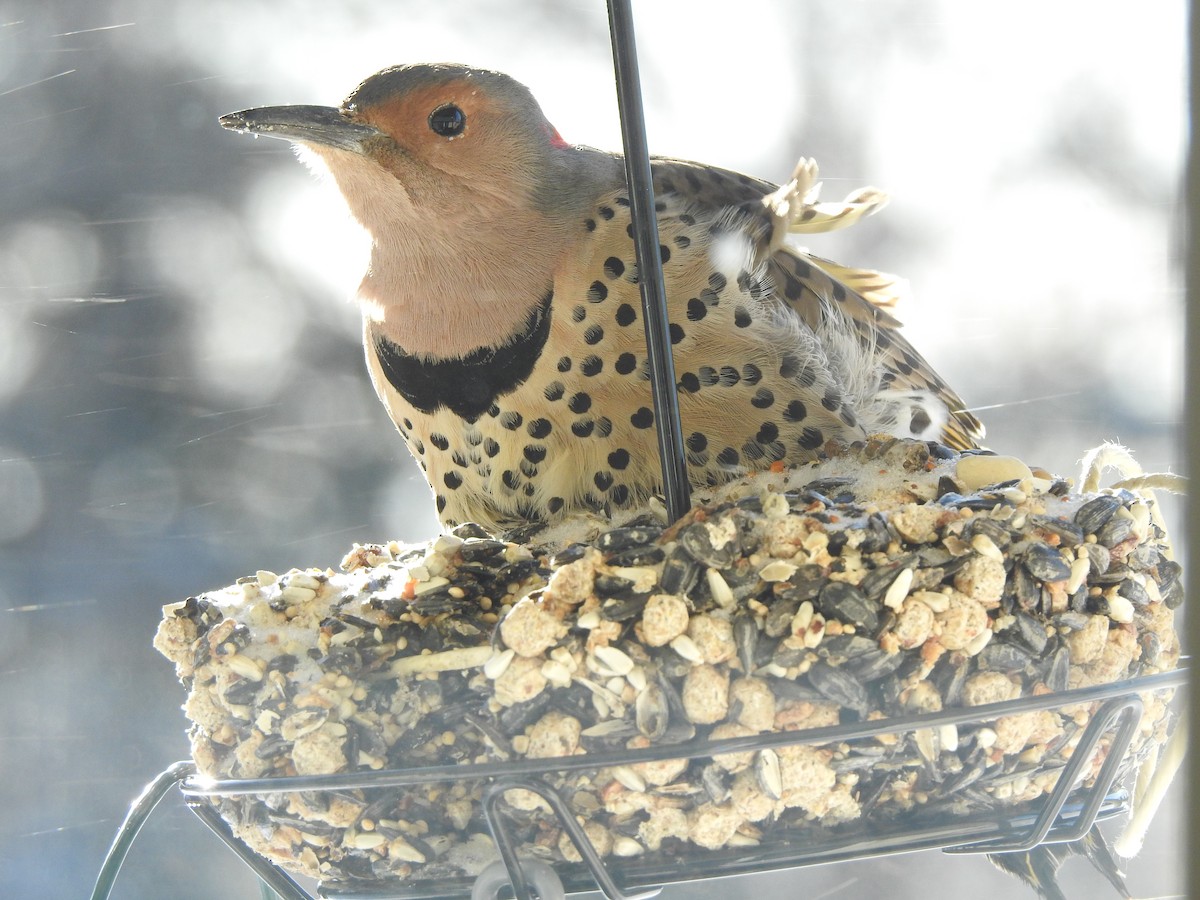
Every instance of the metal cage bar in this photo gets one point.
(691, 749)
(676, 489)
(1125, 713)
(1066, 814)
(566, 818)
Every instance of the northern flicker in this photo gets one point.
(502, 320)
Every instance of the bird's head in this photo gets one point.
(428, 142)
(467, 191)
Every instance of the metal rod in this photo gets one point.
(685, 749)
(270, 874)
(1128, 715)
(1127, 711)
(139, 812)
(566, 818)
(504, 842)
(650, 275)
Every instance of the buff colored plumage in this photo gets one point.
(502, 319)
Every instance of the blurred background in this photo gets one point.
(182, 393)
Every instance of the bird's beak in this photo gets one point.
(320, 125)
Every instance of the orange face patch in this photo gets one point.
(406, 115)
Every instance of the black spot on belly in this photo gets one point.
(643, 418)
(466, 385)
(811, 438)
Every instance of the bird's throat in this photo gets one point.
(469, 384)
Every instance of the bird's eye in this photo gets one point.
(447, 121)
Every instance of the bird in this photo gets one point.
(502, 321)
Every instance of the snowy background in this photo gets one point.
(182, 393)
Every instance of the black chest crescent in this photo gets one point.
(466, 385)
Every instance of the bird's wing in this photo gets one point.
(918, 398)
(914, 395)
